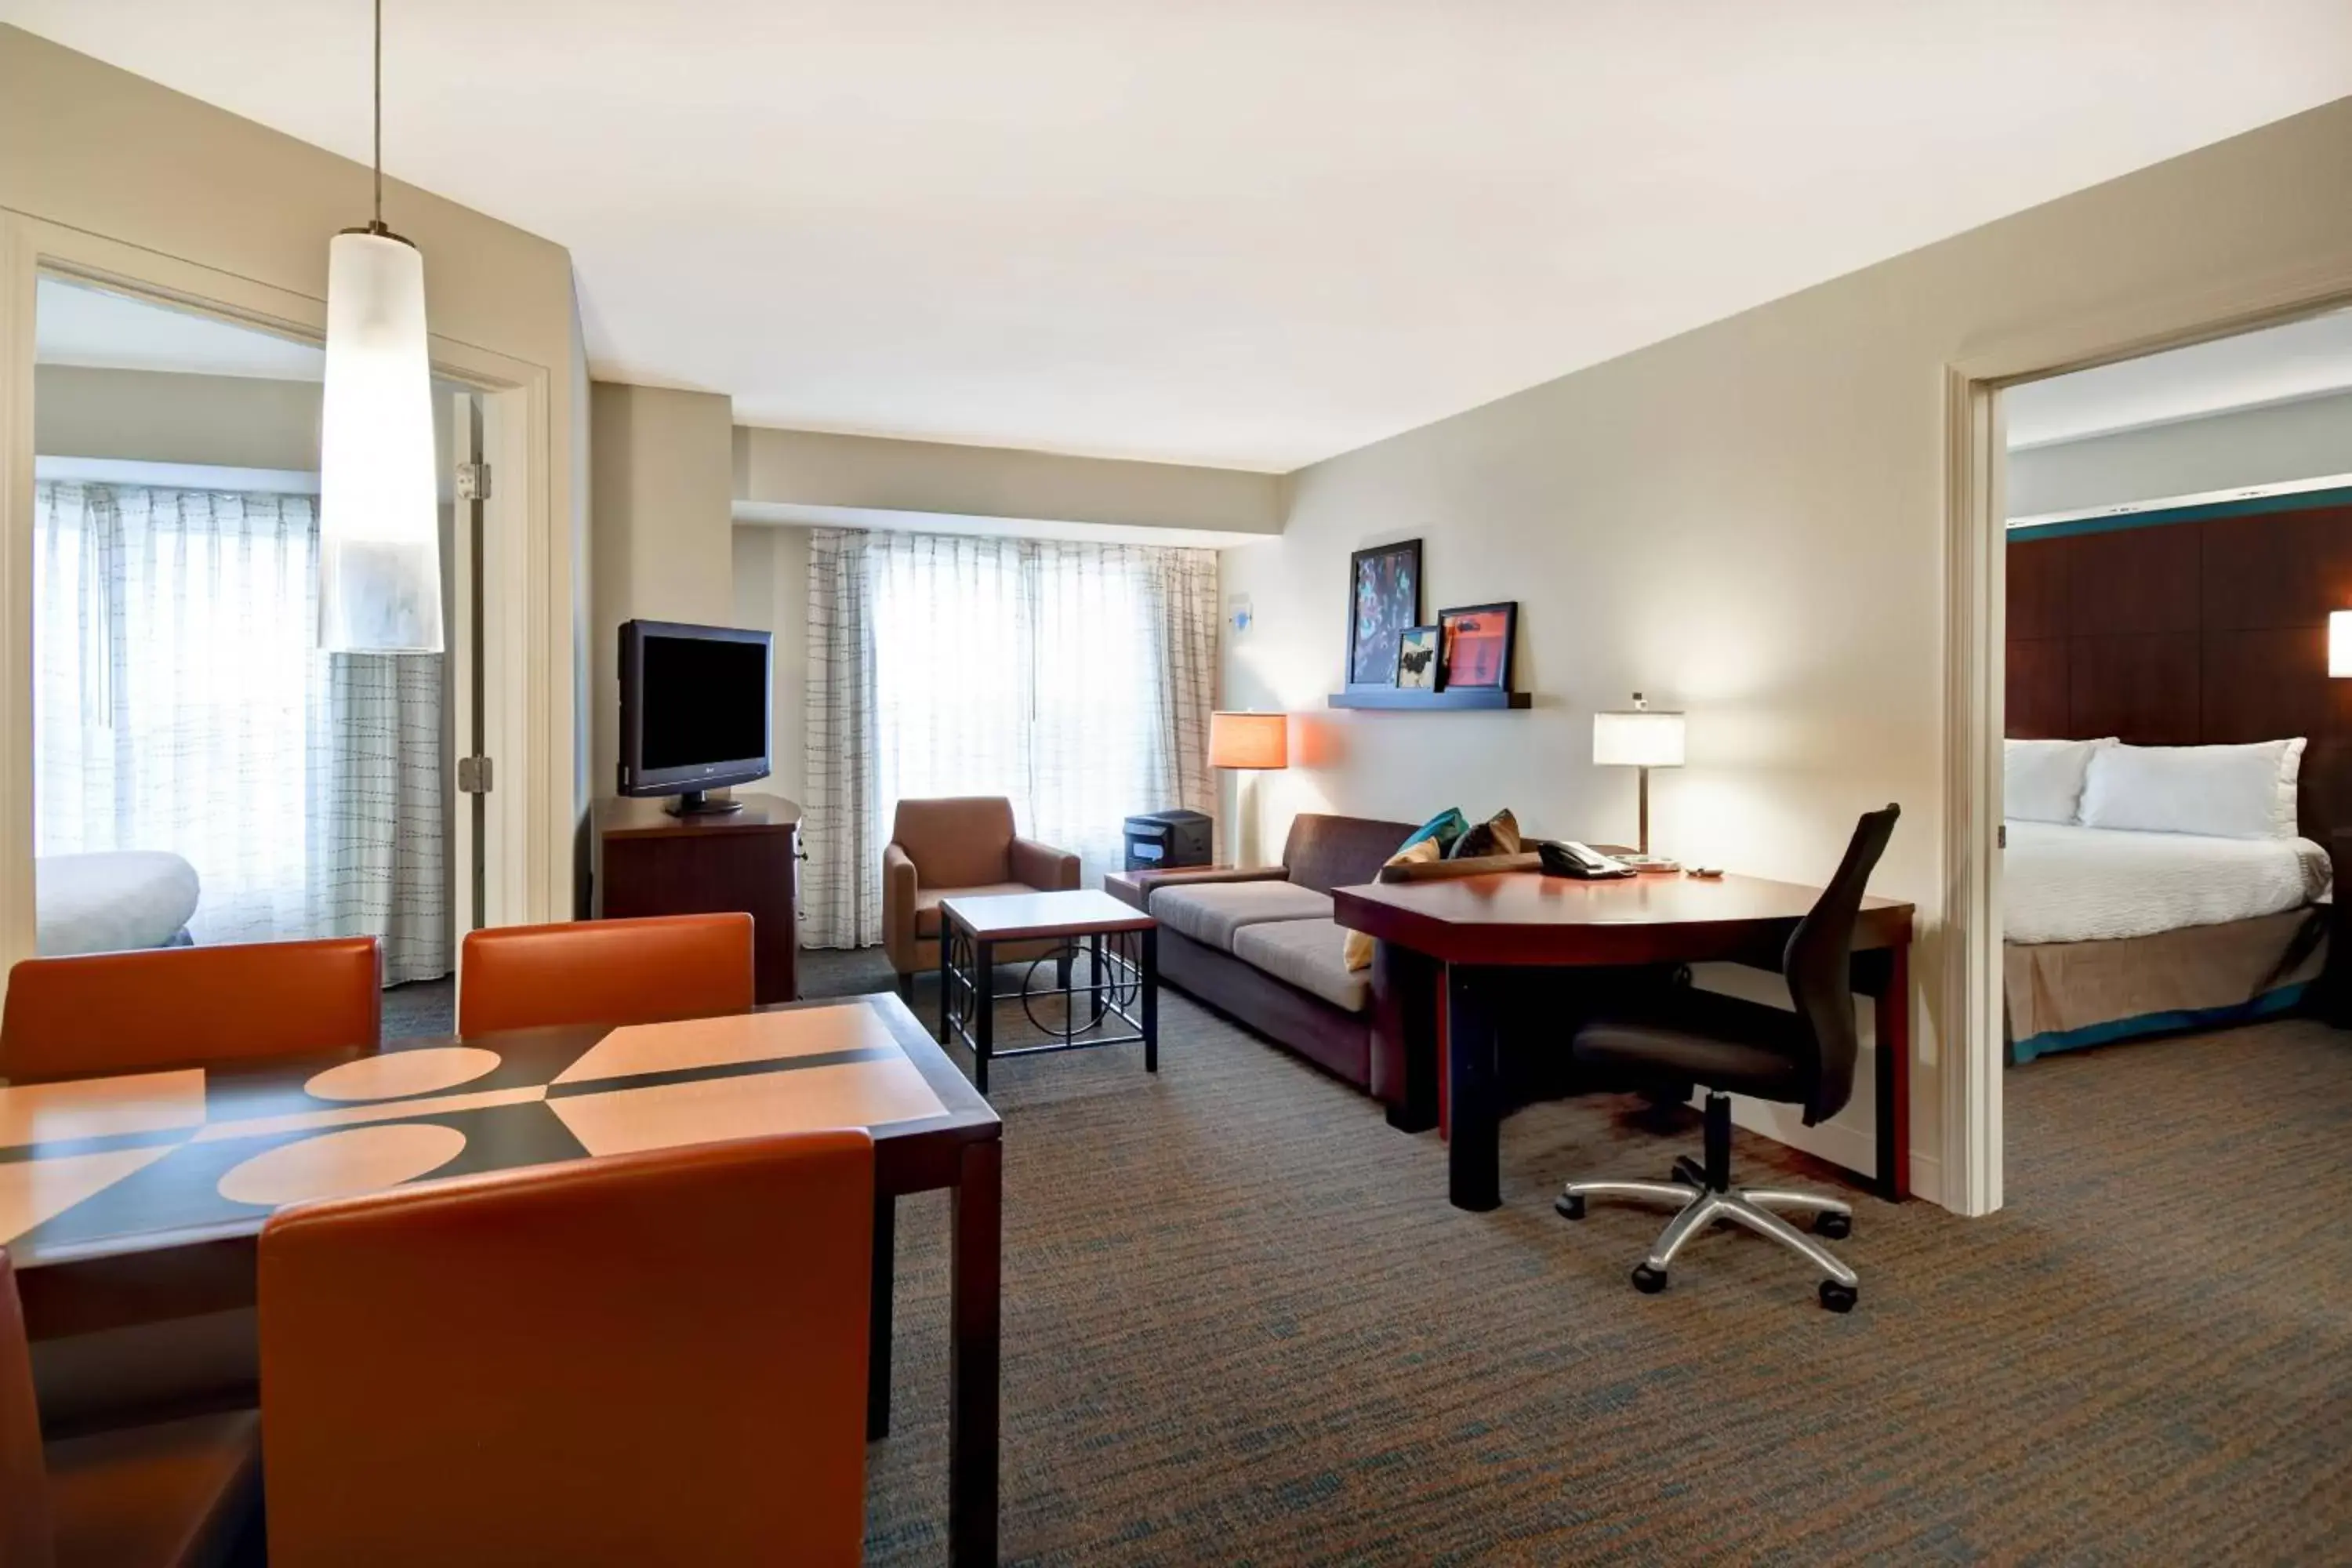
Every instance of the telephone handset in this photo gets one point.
(1570, 858)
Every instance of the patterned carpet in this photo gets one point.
(1241, 1325)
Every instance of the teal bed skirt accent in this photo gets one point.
(2269, 1005)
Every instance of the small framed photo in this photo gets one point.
(1475, 645)
(1383, 599)
(1417, 658)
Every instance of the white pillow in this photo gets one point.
(2223, 792)
(2042, 781)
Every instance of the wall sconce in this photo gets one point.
(2339, 644)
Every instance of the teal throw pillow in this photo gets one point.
(1445, 827)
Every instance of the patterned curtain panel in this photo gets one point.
(181, 704)
(1074, 679)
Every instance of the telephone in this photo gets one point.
(1570, 858)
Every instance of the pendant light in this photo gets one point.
(379, 520)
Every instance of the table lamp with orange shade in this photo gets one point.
(1251, 742)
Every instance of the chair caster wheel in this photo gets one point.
(1570, 1206)
(1649, 1281)
(1837, 1298)
(1834, 1226)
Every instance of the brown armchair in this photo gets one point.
(940, 848)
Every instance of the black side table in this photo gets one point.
(1122, 944)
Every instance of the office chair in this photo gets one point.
(1685, 1038)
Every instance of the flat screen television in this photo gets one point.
(694, 711)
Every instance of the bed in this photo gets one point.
(112, 902)
(2112, 934)
(2149, 889)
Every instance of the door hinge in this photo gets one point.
(473, 775)
(2004, 835)
(473, 481)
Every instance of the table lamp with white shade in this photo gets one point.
(1640, 737)
(1252, 743)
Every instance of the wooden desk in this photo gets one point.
(138, 1199)
(648, 862)
(1470, 926)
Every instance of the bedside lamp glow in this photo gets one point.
(2339, 644)
(1251, 742)
(1640, 738)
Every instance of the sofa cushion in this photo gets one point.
(1309, 954)
(1211, 912)
(927, 901)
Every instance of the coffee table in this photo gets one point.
(1122, 943)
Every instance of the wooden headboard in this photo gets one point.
(2188, 628)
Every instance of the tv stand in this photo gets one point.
(695, 803)
(649, 860)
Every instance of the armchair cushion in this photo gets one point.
(962, 842)
(1211, 912)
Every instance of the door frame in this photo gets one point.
(526, 697)
(1975, 622)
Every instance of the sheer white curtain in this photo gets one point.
(181, 704)
(1073, 679)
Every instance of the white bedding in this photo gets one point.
(2064, 883)
(111, 901)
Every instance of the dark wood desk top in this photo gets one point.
(628, 817)
(1520, 917)
(113, 1167)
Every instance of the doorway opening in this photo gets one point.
(202, 772)
(2151, 752)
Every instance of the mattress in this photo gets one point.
(2063, 883)
(112, 902)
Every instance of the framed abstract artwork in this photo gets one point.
(1477, 643)
(1383, 601)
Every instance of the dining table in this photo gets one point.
(138, 1197)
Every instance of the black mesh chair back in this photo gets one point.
(1818, 960)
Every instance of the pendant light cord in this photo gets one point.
(379, 117)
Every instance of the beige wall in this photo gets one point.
(2307, 439)
(1747, 521)
(865, 473)
(772, 595)
(104, 153)
(154, 417)
(660, 466)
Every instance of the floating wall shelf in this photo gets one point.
(1404, 700)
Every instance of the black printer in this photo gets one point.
(1160, 839)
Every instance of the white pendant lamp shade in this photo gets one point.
(379, 529)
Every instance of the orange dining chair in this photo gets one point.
(104, 1013)
(604, 971)
(645, 1358)
(175, 1492)
(109, 1013)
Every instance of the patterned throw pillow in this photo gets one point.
(1499, 835)
(1359, 944)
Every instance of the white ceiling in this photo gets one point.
(1249, 232)
(2279, 365)
(77, 325)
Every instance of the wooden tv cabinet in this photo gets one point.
(648, 862)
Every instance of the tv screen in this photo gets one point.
(705, 701)
(694, 708)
